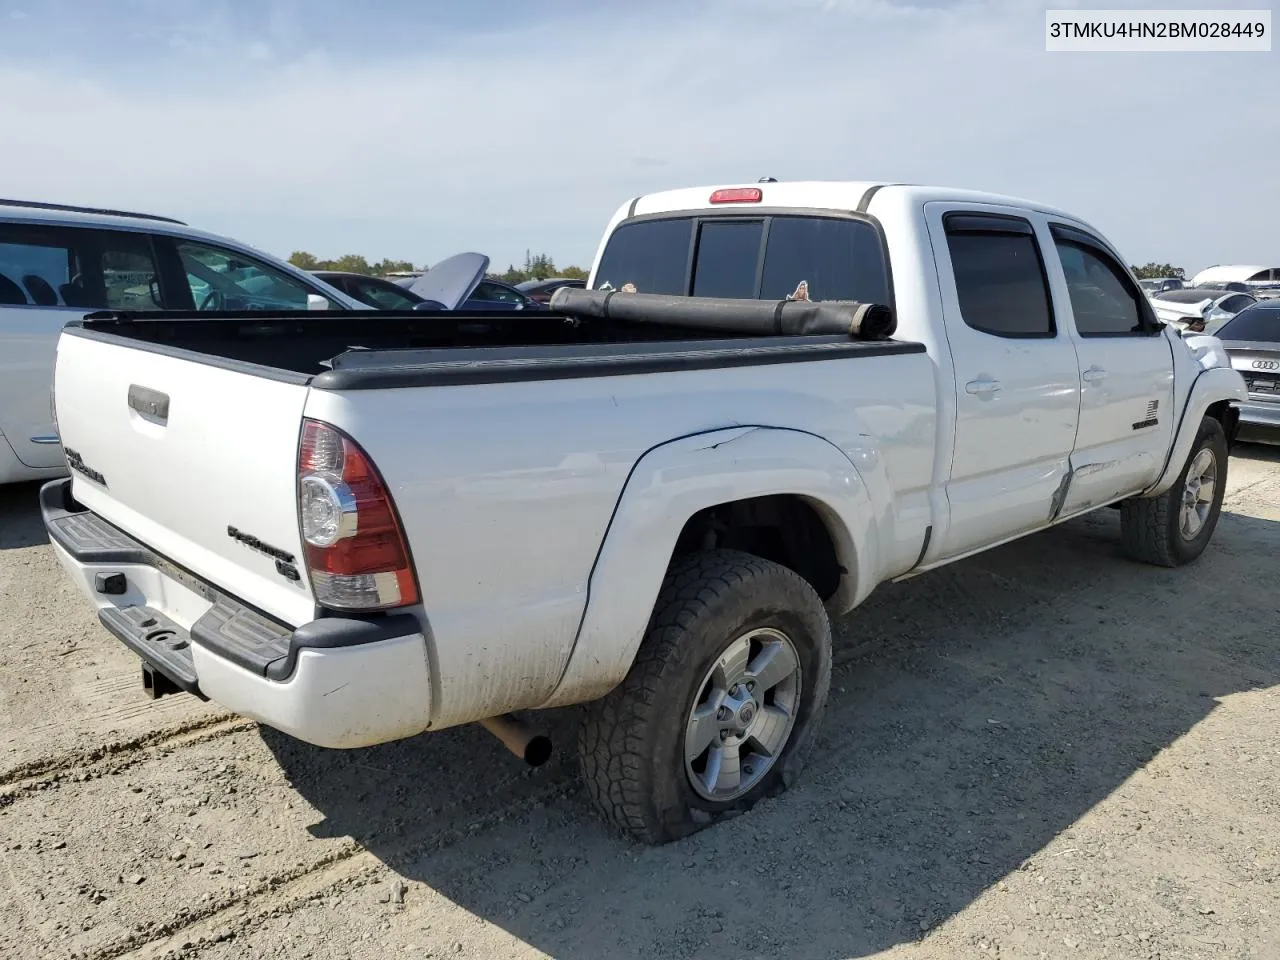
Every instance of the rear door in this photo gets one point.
(1017, 381)
(1125, 370)
(197, 460)
(50, 274)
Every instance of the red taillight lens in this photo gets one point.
(738, 195)
(356, 552)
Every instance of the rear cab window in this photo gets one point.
(765, 257)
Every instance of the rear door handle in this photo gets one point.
(1093, 375)
(982, 388)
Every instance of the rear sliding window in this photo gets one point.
(769, 258)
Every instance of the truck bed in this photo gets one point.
(355, 350)
(184, 433)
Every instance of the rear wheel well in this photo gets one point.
(784, 528)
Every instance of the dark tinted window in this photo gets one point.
(1259, 322)
(836, 259)
(35, 264)
(653, 255)
(1000, 283)
(384, 295)
(65, 266)
(1102, 302)
(728, 255)
(490, 292)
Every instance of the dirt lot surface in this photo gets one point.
(1046, 751)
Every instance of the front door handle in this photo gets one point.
(1093, 375)
(983, 387)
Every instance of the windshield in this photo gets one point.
(768, 258)
(1258, 323)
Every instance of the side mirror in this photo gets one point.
(429, 305)
(316, 302)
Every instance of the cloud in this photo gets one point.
(530, 134)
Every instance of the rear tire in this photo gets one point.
(733, 674)
(1174, 528)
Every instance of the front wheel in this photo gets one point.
(1175, 527)
(727, 688)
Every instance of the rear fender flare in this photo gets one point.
(670, 484)
(1210, 387)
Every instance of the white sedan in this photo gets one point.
(1214, 307)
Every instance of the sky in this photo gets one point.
(415, 130)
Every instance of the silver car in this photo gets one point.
(1252, 340)
(60, 262)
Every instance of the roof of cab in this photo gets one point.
(827, 194)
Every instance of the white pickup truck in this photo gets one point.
(649, 500)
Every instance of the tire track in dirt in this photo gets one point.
(349, 867)
(93, 762)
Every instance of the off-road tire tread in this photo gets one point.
(613, 738)
(1147, 524)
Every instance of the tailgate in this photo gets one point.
(197, 461)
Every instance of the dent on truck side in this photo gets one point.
(671, 484)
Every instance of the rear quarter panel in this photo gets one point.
(506, 490)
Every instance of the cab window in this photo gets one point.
(767, 257)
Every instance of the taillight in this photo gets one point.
(738, 195)
(356, 552)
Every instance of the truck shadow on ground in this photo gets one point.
(20, 522)
(977, 712)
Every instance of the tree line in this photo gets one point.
(1156, 271)
(537, 266)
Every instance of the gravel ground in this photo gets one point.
(1045, 751)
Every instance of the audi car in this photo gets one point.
(1252, 340)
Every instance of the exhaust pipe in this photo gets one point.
(532, 747)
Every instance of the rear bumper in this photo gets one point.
(334, 682)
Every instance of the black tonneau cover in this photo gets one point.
(586, 334)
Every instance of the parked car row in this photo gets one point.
(1200, 309)
(404, 293)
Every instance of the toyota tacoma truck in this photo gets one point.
(650, 500)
